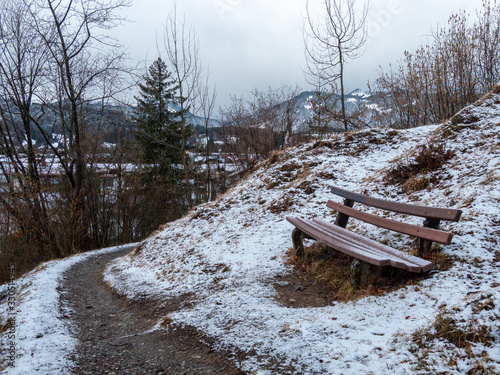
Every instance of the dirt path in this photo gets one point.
(114, 332)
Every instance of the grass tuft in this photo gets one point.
(412, 174)
(281, 205)
(461, 334)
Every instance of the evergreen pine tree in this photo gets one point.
(160, 139)
(159, 132)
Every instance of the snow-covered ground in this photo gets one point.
(40, 342)
(227, 255)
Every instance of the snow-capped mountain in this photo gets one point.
(355, 101)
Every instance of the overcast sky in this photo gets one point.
(258, 43)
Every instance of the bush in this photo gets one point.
(412, 174)
(458, 64)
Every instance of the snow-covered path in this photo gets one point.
(41, 339)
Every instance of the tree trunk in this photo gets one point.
(342, 96)
(184, 159)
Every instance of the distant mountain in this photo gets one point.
(194, 120)
(354, 100)
(113, 119)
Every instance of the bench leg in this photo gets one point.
(342, 219)
(424, 246)
(298, 241)
(362, 273)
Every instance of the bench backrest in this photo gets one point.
(403, 208)
(397, 226)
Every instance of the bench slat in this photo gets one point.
(423, 211)
(410, 229)
(347, 236)
(424, 264)
(368, 252)
(358, 247)
(356, 251)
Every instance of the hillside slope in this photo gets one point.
(227, 255)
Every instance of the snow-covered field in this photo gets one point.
(228, 253)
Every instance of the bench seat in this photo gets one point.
(359, 247)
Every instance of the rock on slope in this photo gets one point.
(227, 253)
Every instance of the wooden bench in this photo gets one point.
(370, 256)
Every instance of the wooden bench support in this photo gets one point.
(298, 241)
(423, 245)
(342, 218)
(363, 273)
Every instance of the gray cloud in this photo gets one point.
(258, 43)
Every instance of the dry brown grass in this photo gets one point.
(290, 167)
(416, 183)
(446, 327)
(274, 158)
(330, 271)
(459, 333)
(429, 158)
(330, 144)
(281, 205)
(348, 138)
(307, 187)
(5, 327)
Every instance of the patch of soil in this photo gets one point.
(299, 290)
(317, 279)
(116, 335)
(322, 278)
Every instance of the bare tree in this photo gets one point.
(275, 110)
(240, 134)
(288, 113)
(325, 115)
(181, 46)
(54, 60)
(206, 103)
(333, 41)
(72, 32)
(487, 34)
(458, 64)
(23, 61)
(254, 127)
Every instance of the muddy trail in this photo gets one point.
(115, 334)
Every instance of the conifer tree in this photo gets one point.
(158, 128)
(160, 138)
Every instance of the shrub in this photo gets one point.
(428, 159)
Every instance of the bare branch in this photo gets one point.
(333, 41)
(181, 46)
